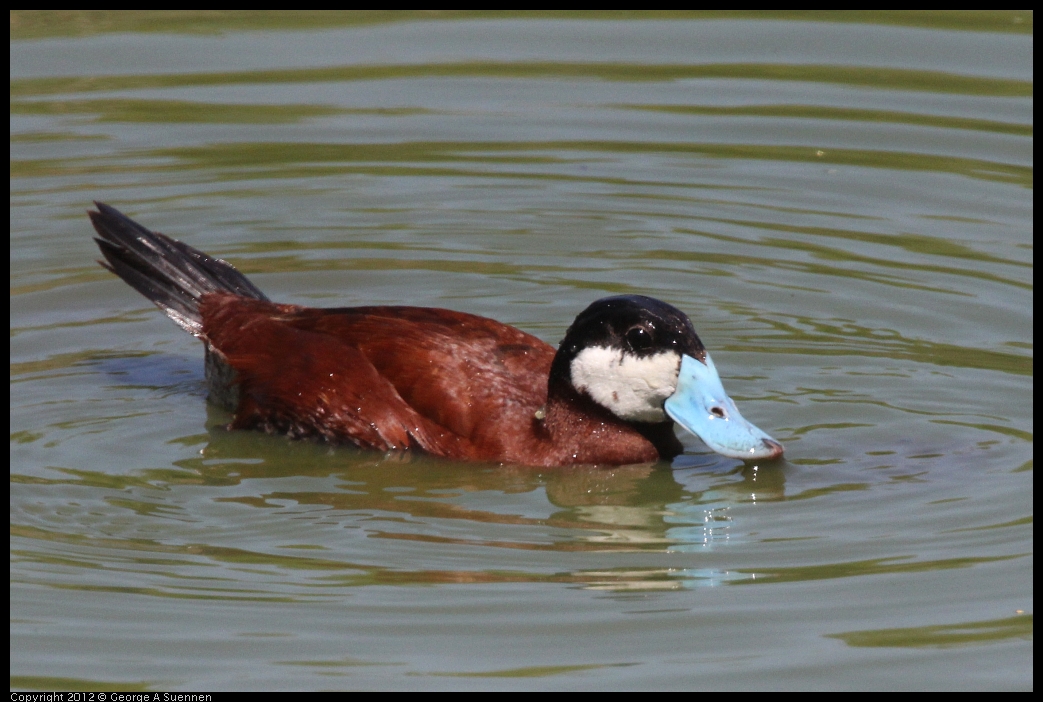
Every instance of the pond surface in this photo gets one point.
(842, 204)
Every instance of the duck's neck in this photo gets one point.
(590, 433)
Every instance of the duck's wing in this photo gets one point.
(477, 377)
(306, 382)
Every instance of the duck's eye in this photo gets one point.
(639, 339)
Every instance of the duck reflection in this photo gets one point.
(646, 508)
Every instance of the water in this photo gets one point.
(843, 207)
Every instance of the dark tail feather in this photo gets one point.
(171, 274)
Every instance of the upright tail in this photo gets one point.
(171, 274)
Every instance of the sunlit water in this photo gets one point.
(844, 209)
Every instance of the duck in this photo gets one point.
(437, 381)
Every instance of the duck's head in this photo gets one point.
(641, 359)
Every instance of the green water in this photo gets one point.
(841, 202)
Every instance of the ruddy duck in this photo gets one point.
(447, 383)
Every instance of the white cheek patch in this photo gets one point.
(634, 388)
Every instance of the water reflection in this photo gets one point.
(432, 507)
